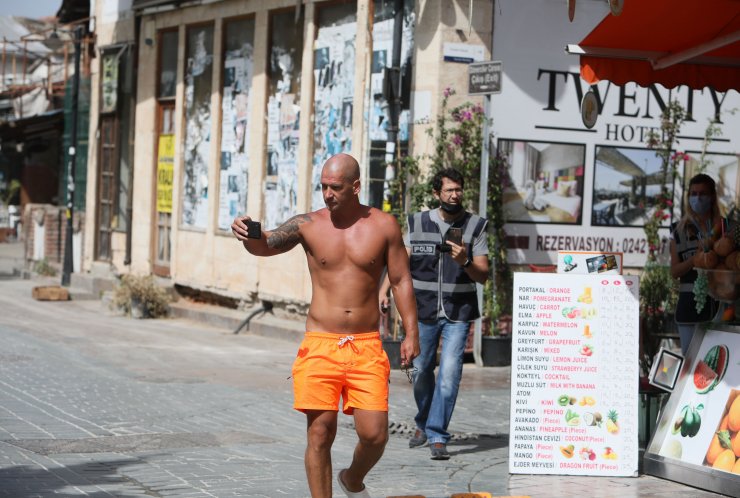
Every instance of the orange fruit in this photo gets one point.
(735, 440)
(715, 448)
(723, 425)
(730, 260)
(733, 416)
(725, 461)
(724, 246)
(736, 467)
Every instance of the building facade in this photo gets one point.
(202, 111)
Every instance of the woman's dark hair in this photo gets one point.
(450, 174)
(688, 213)
(707, 180)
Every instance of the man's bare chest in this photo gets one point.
(351, 248)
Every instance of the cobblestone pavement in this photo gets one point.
(93, 404)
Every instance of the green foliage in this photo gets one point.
(498, 291)
(10, 192)
(135, 289)
(658, 297)
(42, 267)
(658, 290)
(403, 188)
(663, 144)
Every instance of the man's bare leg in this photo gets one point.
(322, 428)
(372, 430)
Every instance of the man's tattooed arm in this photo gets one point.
(287, 236)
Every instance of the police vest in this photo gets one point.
(434, 272)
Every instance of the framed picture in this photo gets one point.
(546, 181)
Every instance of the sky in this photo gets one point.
(29, 8)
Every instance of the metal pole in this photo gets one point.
(394, 101)
(68, 259)
(482, 211)
(2, 82)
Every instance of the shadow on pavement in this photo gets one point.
(24, 480)
(483, 442)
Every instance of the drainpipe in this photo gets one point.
(132, 66)
(393, 93)
(68, 256)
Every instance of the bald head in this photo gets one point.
(343, 165)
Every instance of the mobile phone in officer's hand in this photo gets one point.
(254, 229)
(454, 235)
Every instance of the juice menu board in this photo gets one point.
(574, 375)
(701, 422)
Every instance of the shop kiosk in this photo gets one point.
(697, 439)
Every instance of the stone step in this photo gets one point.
(263, 324)
(90, 284)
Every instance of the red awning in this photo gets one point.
(671, 42)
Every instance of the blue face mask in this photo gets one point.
(701, 204)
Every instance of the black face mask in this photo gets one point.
(450, 208)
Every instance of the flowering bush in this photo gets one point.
(658, 289)
(663, 144)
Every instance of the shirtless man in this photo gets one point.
(347, 246)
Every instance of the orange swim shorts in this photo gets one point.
(353, 366)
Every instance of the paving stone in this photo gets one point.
(93, 404)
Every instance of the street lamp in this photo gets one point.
(68, 259)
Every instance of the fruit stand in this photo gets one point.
(697, 440)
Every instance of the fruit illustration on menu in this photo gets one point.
(611, 422)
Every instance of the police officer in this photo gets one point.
(448, 248)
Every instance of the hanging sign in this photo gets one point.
(165, 173)
(109, 83)
(462, 52)
(589, 109)
(484, 78)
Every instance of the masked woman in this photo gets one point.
(697, 230)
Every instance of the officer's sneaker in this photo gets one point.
(439, 451)
(418, 439)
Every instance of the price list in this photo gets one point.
(574, 375)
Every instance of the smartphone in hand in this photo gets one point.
(254, 229)
(454, 235)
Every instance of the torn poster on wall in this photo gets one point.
(283, 120)
(334, 79)
(382, 58)
(237, 85)
(198, 126)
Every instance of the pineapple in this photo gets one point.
(611, 422)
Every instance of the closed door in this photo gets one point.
(107, 187)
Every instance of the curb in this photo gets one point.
(264, 324)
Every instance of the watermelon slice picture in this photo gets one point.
(709, 372)
(704, 378)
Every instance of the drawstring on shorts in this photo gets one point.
(348, 339)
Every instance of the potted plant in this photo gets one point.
(140, 297)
